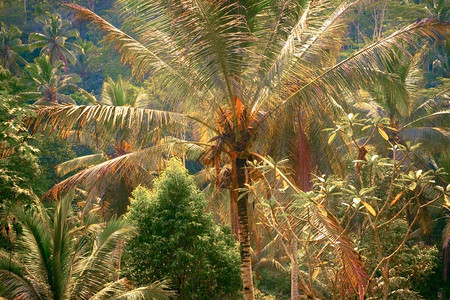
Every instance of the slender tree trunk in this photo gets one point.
(445, 267)
(244, 231)
(294, 271)
(385, 275)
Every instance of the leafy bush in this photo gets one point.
(178, 241)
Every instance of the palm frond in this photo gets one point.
(346, 75)
(12, 281)
(135, 166)
(142, 125)
(414, 79)
(104, 121)
(89, 140)
(95, 270)
(431, 104)
(434, 139)
(62, 249)
(157, 290)
(151, 58)
(271, 263)
(112, 289)
(79, 162)
(139, 57)
(436, 115)
(36, 246)
(301, 38)
(353, 275)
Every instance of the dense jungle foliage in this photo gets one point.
(197, 149)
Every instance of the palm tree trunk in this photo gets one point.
(238, 182)
(233, 213)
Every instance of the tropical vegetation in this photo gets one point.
(315, 131)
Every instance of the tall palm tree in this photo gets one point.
(49, 81)
(233, 67)
(10, 47)
(54, 40)
(58, 257)
(114, 199)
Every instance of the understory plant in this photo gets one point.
(55, 255)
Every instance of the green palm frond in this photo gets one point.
(36, 245)
(142, 59)
(346, 75)
(55, 259)
(10, 48)
(95, 270)
(79, 162)
(54, 40)
(111, 289)
(91, 98)
(414, 79)
(433, 139)
(305, 38)
(49, 81)
(158, 290)
(14, 283)
(431, 104)
(441, 116)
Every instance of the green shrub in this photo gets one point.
(177, 240)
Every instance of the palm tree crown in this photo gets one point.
(10, 47)
(50, 82)
(122, 93)
(54, 41)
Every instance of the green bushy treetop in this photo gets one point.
(178, 241)
(18, 159)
